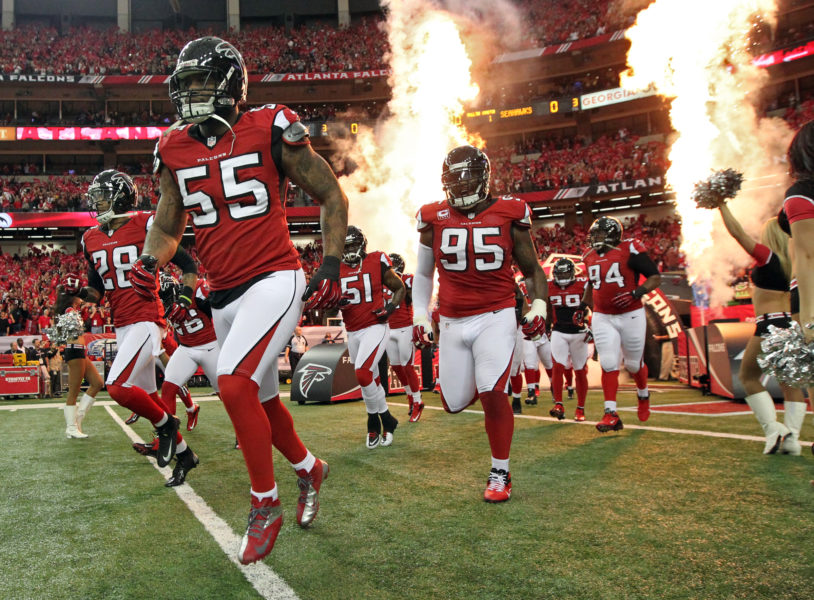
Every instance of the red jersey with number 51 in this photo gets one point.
(198, 329)
(112, 254)
(234, 192)
(610, 273)
(473, 254)
(362, 290)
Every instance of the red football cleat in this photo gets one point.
(192, 417)
(644, 408)
(498, 486)
(309, 484)
(418, 408)
(265, 521)
(131, 419)
(150, 449)
(579, 414)
(610, 421)
(557, 411)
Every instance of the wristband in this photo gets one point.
(149, 261)
(186, 294)
(639, 292)
(331, 265)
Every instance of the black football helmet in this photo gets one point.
(605, 233)
(465, 177)
(564, 272)
(355, 246)
(222, 79)
(111, 194)
(168, 289)
(398, 263)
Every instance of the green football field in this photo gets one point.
(684, 506)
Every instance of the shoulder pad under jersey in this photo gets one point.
(295, 134)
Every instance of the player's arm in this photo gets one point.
(422, 278)
(395, 285)
(525, 255)
(169, 223)
(189, 268)
(643, 264)
(802, 243)
(736, 230)
(95, 290)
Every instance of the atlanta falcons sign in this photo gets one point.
(311, 374)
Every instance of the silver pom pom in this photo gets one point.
(68, 327)
(787, 355)
(717, 188)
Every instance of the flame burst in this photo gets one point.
(399, 163)
(696, 53)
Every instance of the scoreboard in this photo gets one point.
(563, 105)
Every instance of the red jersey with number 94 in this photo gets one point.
(234, 193)
(362, 290)
(474, 254)
(112, 254)
(610, 274)
(198, 329)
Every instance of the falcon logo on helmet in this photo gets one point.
(564, 272)
(220, 74)
(398, 263)
(355, 246)
(465, 177)
(605, 234)
(112, 194)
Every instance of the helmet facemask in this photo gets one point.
(605, 234)
(217, 99)
(563, 273)
(466, 186)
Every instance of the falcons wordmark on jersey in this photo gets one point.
(473, 254)
(362, 290)
(234, 192)
(112, 254)
(616, 271)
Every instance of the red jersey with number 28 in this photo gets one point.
(473, 254)
(362, 289)
(234, 195)
(197, 330)
(566, 302)
(403, 315)
(610, 274)
(112, 254)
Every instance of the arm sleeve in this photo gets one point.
(422, 280)
(642, 263)
(184, 261)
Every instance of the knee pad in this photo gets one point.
(364, 377)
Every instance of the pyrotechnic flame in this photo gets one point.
(696, 53)
(399, 164)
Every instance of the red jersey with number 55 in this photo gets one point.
(566, 302)
(234, 192)
(198, 329)
(112, 254)
(403, 315)
(611, 273)
(473, 254)
(362, 290)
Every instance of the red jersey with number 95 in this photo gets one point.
(197, 330)
(473, 254)
(362, 290)
(112, 254)
(611, 273)
(234, 192)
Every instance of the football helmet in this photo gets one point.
(168, 289)
(398, 263)
(605, 233)
(355, 246)
(111, 194)
(564, 272)
(220, 75)
(465, 177)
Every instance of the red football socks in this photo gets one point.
(581, 379)
(138, 401)
(610, 384)
(556, 381)
(499, 421)
(168, 395)
(283, 434)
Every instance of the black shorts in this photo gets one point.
(762, 322)
(72, 353)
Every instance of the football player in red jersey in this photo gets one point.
(228, 171)
(614, 266)
(568, 334)
(400, 348)
(362, 275)
(111, 250)
(472, 238)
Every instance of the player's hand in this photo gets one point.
(382, 314)
(533, 322)
(324, 291)
(71, 284)
(422, 331)
(589, 336)
(144, 277)
(623, 299)
(178, 314)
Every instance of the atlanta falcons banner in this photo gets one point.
(51, 219)
(325, 374)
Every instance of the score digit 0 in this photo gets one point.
(354, 128)
(553, 106)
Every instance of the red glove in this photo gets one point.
(533, 323)
(324, 291)
(382, 314)
(422, 331)
(589, 336)
(623, 299)
(178, 314)
(144, 278)
(71, 284)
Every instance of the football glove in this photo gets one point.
(422, 331)
(626, 299)
(71, 284)
(178, 312)
(589, 336)
(323, 291)
(144, 277)
(533, 322)
(382, 314)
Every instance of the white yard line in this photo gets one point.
(267, 583)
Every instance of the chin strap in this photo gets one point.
(232, 131)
